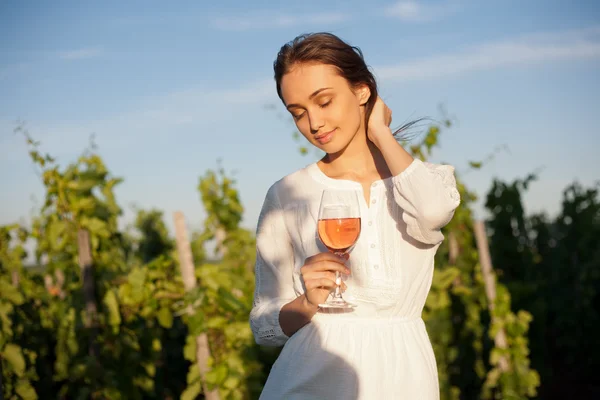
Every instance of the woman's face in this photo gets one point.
(327, 111)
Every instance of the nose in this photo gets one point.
(316, 121)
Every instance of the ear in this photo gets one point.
(363, 94)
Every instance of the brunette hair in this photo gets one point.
(326, 48)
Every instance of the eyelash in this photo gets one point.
(320, 105)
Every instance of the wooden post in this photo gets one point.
(15, 278)
(220, 236)
(453, 248)
(60, 282)
(189, 281)
(490, 284)
(87, 275)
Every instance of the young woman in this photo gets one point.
(379, 349)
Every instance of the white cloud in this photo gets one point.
(268, 20)
(415, 11)
(525, 50)
(80, 54)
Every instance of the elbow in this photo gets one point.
(427, 226)
(435, 219)
(438, 214)
(264, 333)
(260, 341)
(255, 327)
(268, 339)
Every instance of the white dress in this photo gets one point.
(381, 349)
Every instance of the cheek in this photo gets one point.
(303, 127)
(349, 117)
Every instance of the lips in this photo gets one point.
(325, 137)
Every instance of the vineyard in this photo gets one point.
(137, 314)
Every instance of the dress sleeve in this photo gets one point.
(428, 195)
(273, 273)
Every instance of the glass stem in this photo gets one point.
(338, 281)
(338, 287)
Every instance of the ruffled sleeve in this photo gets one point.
(428, 195)
(273, 273)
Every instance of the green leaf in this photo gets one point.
(189, 351)
(229, 301)
(5, 319)
(10, 293)
(150, 369)
(217, 322)
(191, 392)
(165, 317)
(136, 278)
(196, 323)
(83, 185)
(217, 375)
(193, 374)
(475, 164)
(95, 226)
(111, 302)
(12, 353)
(25, 390)
(444, 278)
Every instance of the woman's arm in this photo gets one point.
(426, 192)
(273, 274)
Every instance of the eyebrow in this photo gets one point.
(316, 92)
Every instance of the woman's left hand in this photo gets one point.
(379, 121)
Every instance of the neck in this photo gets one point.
(361, 158)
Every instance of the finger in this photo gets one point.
(331, 266)
(319, 275)
(328, 268)
(319, 284)
(323, 256)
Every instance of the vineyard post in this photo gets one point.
(189, 281)
(490, 285)
(87, 275)
(15, 278)
(454, 249)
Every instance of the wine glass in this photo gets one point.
(339, 229)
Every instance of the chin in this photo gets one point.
(332, 147)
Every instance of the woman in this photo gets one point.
(379, 350)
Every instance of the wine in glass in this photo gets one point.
(339, 229)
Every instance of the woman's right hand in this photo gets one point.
(318, 273)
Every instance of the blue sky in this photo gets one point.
(167, 89)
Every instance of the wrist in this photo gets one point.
(380, 135)
(308, 306)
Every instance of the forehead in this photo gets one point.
(304, 79)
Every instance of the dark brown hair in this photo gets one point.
(326, 48)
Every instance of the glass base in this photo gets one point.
(337, 303)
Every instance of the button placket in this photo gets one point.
(375, 270)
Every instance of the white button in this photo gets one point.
(376, 266)
(374, 201)
(374, 184)
(373, 246)
(370, 223)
